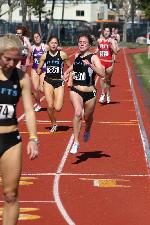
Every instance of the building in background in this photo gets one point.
(85, 10)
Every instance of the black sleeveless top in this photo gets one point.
(83, 74)
(54, 66)
(10, 92)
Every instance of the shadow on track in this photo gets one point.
(60, 128)
(89, 155)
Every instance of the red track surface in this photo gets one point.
(107, 182)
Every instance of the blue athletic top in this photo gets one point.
(10, 92)
(54, 66)
(83, 74)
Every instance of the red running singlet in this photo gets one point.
(104, 52)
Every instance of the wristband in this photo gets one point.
(35, 140)
(33, 137)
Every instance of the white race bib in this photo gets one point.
(79, 76)
(6, 111)
(52, 69)
(103, 53)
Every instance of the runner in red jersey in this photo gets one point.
(106, 48)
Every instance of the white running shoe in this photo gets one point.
(37, 108)
(54, 128)
(86, 136)
(74, 148)
(102, 98)
(108, 99)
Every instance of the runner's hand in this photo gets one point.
(32, 150)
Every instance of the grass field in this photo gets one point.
(142, 65)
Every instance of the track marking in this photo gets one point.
(34, 201)
(139, 117)
(86, 174)
(108, 183)
(56, 184)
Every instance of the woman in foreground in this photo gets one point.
(13, 84)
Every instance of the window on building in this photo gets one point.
(79, 13)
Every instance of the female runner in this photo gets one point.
(83, 91)
(38, 49)
(13, 84)
(53, 80)
(105, 50)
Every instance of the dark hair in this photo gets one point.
(90, 38)
(25, 31)
(36, 33)
(18, 28)
(104, 29)
(51, 37)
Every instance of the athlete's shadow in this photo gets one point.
(43, 109)
(60, 128)
(64, 128)
(89, 155)
(111, 103)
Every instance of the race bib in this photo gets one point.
(79, 76)
(52, 69)
(24, 51)
(6, 111)
(103, 53)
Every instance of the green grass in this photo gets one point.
(135, 45)
(143, 65)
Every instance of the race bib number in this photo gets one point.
(103, 53)
(36, 61)
(6, 111)
(79, 76)
(53, 69)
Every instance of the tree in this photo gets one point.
(13, 4)
(24, 11)
(145, 6)
(1, 3)
(37, 8)
(51, 19)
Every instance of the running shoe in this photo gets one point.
(54, 128)
(102, 98)
(108, 99)
(74, 148)
(37, 108)
(86, 136)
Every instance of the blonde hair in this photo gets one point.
(10, 42)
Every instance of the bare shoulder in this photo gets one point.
(63, 55)
(76, 55)
(43, 57)
(94, 58)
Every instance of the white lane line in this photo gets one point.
(59, 121)
(34, 201)
(56, 185)
(85, 174)
(139, 117)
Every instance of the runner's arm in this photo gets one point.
(32, 147)
(41, 63)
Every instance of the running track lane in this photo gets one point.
(107, 182)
